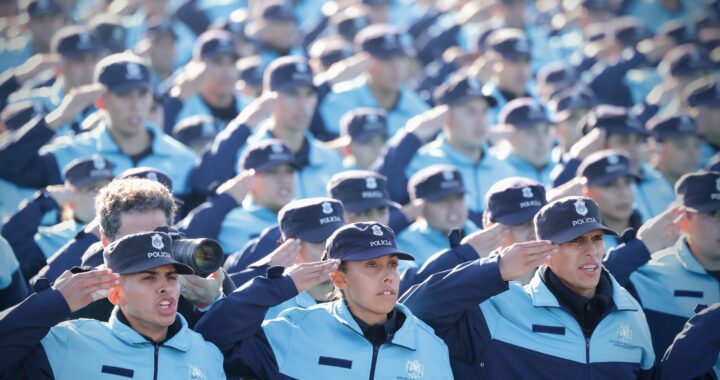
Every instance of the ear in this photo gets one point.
(338, 279)
(117, 297)
(104, 239)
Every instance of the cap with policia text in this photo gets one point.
(699, 191)
(363, 241)
(360, 190)
(287, 73)
(74, 42)
(148, 173)
(140, 252)
(267, 154)
(83, 172)
(196, 129)
(311, 219)
(514, 200)
(277, 11)
(363, 124)
(436, 183)
(523, 113)
(461, 88)
(214, 44)
(603, 167)
(39, 8)
(512, 44)
(567, 219)
(123, 72)
(614, 120)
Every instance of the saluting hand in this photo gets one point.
(663, 230)
(487, 240)
(238, 186)
(80, 289)
(255, 112)
(285, 255)
(520, 258)
(588, 144)
(76, 101)
(429, 123)
(36, 65)
(307, 275)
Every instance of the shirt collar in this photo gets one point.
(177, 337)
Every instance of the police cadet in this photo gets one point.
(609, 179)
(441, 194)
(197, 132)
(572, 320)
(45, 17)
(381, 86)
(696, 349)
(461, 116)
(702, 99)
(680, 277)
(363, 133)
(74, 201)
(141, 280)
(530, 139)
(216, 96)
(123, 135)
(289, 100)
(363, 334)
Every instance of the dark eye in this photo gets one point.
(371, 264)
(393, 264)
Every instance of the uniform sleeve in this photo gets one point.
(206, 220)
(401, 150)
(22, 331)
(217, 164)
(22, 147)
(625, 259)
(21, 228)
(67, 256)
(695, 349)
(8, 85)
(234, 324)
(564, 171)
(439, 262)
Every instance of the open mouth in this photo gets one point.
(590, 268)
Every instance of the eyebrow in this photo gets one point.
(156, 272)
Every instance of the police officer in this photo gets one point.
(381, 86)
(440, 191)
(274, 31)
(463, 104)
(680, 277)
(73, 202)
(45, 17)
(702, 98)
(123, 137)
(572, 314)
(608, 181)
(197, 132)
(141, 280)
(530, 139)
(363, 134)
(365, 333)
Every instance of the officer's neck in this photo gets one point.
(217, 100)
(130, 143)
(706, 260)
(387, 98)
(473, 152)
(617, 225)
(292, 137)
(151, 333)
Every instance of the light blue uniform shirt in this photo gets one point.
(312, 180)
(302, 300)
(349, 95)
(195, 106)
(243, 224)
(186, 355)
(477, 177)
(168, 155)
(12, 197)
(525, 169)
(653, 194)
(422, 241)
(219, 9)
(14, 52)
(299, 336)
(52, 238)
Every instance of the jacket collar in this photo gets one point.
(180, 341)
(687, 259)
(106, 144)
(405, 336)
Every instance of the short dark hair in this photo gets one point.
(131, 195)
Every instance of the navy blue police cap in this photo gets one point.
(703, 92)
(363, 124)
(524, 113)
(141, 252)
(713, 164)
(557, 73)
(384, 41)
(148, 173)
(110, 32)
(514, 200)
(672, 126)
(335, 54)
(363, 241)
(461, 88)
(512, 44)
(87, 171)
(629, 30)
(40, 8)
(568, 218)
(194, 129)
(277, 11)
(601, 168)
(614, 120)
(74, 42)
(678, 31)
(161, 28)
(360, 190)
(251, 70)
(569, 100)
(214, 44)
(351, 21)
(699, 191)
(123, 72)
(287, 73)
(685, 60)
(267, 154)
(311, 219)
(435, 183)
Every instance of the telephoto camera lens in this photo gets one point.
(204, 256)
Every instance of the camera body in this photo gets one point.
(204, 256)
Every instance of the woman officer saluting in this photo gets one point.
(364, 334)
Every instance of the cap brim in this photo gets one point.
(626, 131)
(389, 54)
(269, 165)
(366, 137)
(574, 233)
(518, 218)
(320, 234)
(154, 263)
(367, 204)
(492, 102)
(291, 85)
(442, 194)
(81, 53)
(705, 207)
(127, 86)
(376, 252)
(607, 178)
